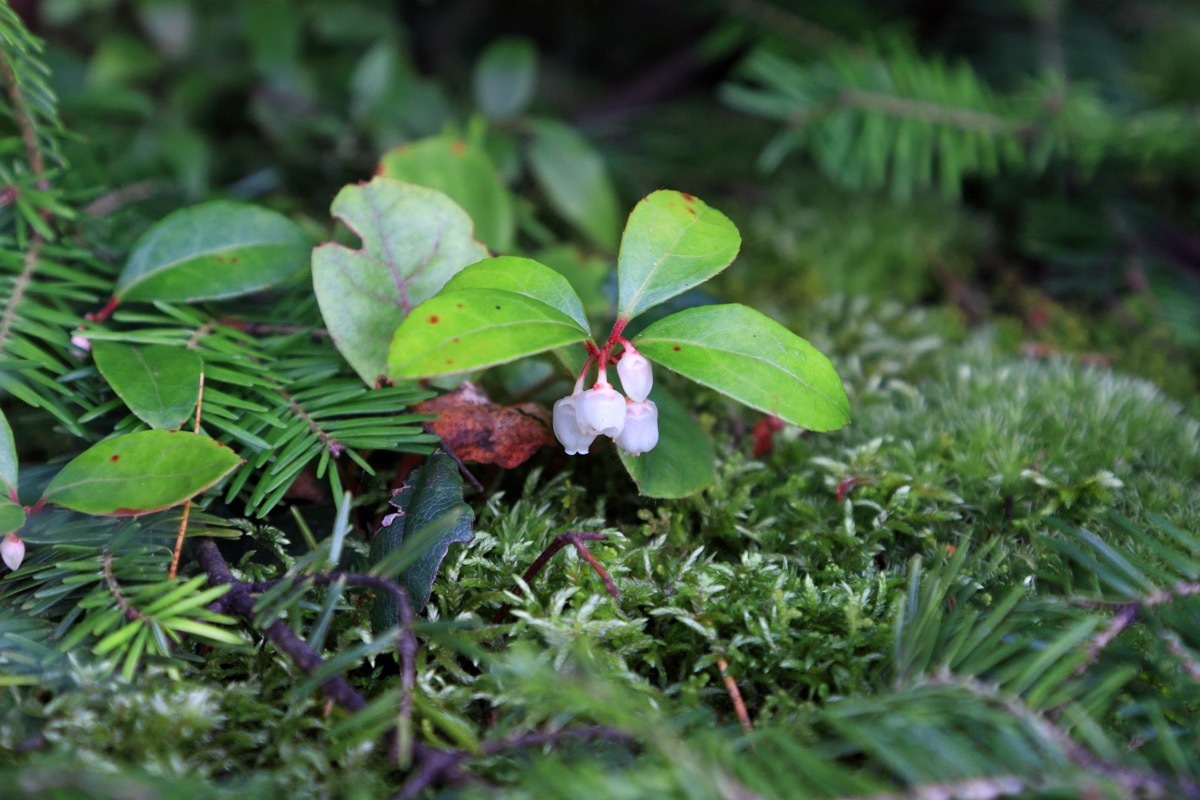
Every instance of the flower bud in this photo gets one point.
(636, 378)
(12, 551)
(641, 428)
(566, 427)
(601, 410)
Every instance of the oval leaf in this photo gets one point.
(211, 251)
(432, 516)
(8, 461)
(522, 276)
(473, 328)
(682, 463)
(466, 175)
(504, 78)
(413, 240)
(575, 180)
(752, 358)
(159, 383)
(140, 472)
(12, 516)
(672, 242)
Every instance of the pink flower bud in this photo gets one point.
(12, 551)
(641, 428)
(601, 410)
(566, 427)
(636, 377)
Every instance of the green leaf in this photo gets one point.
(522, 276)
(140, 472)
(573, 176)
(466, 175)
(672, 242)
(682, 463)
(159, 383)
(473, 328)
(752, 358)
(505, 76)
(587, 275)
(212, 251)
(413, 240)
(8, 460)
(431, 517)
(12, 516)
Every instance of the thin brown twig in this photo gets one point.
(114, 588)
(187, 504)
(576, 538)
(117, 199)
(735, 694)
(33, 151)
(1125, 614)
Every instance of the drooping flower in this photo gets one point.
(12, 551)
(566, 427)
(640, 434)
(601, 409)
(636, 377)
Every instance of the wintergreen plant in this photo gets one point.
(501, 309)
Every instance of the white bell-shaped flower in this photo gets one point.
(12, 551)
(640, 434)
(566, 427)
(601, 410)
(636, 377)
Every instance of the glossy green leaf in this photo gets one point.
(413, 240)
(522, 276)
(8, 460)
(672, 242)
(504, 78)
(431, 517)
(140, 472)
(752, 358)
(587, 274)
(466, 175)
(159, 383)
(575, 180)
(473, 328)
(212, 251)
(682, 463)
(12, 516)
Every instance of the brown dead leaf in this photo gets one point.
(476, 429)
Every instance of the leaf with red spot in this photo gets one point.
(672, 242)
(140, 472)
(475, 429)
(413, 240)
(462, 330)
(466, 175)
(212, 251)
(753, 359)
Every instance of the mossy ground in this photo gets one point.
(790, 571)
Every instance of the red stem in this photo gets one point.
(104, 313)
